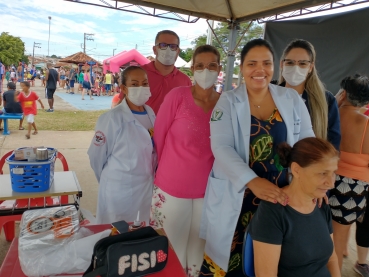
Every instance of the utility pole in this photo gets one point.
(114, 50)
(35, 45)
(48, 42)
(86, 37)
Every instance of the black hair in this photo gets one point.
(26, 83)
(357, 89)
(166, 32)
(258, 42)
(11, 85)
(206, 49)
(129, 69)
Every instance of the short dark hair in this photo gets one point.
(305, 152)
(26, 83)
(166, 32)
(11, 85)
(129, 69)
(357, 89)
(258, 42)
(205, 49)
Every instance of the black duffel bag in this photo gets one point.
(132, 254)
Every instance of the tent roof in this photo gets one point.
(225, 10)
(77, 58)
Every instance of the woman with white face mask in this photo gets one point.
(182, 142)
(122, 153)
(298, 72)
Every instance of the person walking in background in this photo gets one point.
(7, 75)
(297, 71)
(116, 82)
(185, 159)
(108, 82)
(72, 79)
(13, 76)
(62, 77)
(86, 85)
(51, 78)
(349, 197)
(163, 75)
(80, 80)
(28, 99)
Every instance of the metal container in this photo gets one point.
(42, 154)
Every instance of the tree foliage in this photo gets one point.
(11, 49)
(222, 32)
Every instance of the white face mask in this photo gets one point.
(206, 78)
(139, 95)
(294, 75)
(167, 56)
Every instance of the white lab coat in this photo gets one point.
(121, 155)
(230, 139)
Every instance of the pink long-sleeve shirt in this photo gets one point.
(182, 139)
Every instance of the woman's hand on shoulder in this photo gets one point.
(265, 190)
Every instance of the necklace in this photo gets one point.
(259, 106)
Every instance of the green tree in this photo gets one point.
(222, 32)
(186, 54)
(11, 49)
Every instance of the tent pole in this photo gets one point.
(231, 55)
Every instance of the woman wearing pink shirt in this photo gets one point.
(182, 138)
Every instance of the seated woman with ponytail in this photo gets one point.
(296, 239)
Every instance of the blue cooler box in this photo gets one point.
(32, 176)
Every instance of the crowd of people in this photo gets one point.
(284, 160)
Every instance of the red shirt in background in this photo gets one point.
(160, 85)
(28, 102)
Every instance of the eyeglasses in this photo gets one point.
(213, 66)
(301, 63)
(164, 46)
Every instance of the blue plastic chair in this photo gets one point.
(248, 256)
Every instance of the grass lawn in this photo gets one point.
(63, 120)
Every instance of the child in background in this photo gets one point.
(28, 100)
(97, 86)
(13, 76)
(67, 84)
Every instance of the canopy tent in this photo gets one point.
(339, 40)
(114, 63)
(78, 58)
(231, 11)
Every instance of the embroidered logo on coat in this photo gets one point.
(99, 138)
(216, 115)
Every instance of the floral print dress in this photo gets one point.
(265, 135)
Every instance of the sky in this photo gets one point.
(28, 19)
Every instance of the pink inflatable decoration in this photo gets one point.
(114, 63)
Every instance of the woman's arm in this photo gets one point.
(333, 264)
(266, 259)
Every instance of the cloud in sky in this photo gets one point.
(112, 29)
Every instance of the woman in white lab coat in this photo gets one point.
(122, 153)
(246, 126)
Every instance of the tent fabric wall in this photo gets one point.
(341, 42)
(114, 63)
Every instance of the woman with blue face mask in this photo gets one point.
(297, 71)
(122, 153)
